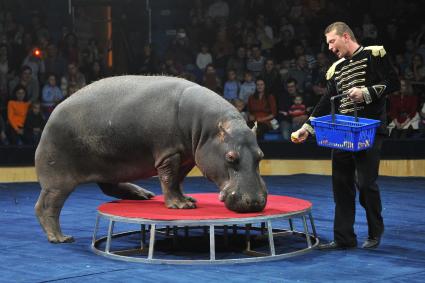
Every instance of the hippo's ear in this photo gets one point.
(223, 131)
(254, 129)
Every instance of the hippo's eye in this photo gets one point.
(232, 156)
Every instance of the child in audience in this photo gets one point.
(51, 96)
(231, 86)
(247, 87)
(298, 112)
(34, 124)
(17, 109)
(240, 105)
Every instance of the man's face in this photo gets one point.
(291, 87)
(337, 43)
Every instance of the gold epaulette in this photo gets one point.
(331, 70)
(377, 50)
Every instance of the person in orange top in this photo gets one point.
(262, 108)
(17, 109)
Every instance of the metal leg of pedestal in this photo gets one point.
(225, 236)
(109, 237)
(151, 241)
(307, 234)
(212, 243)
(291, 224)
(271, 240)
(96, 228)
(143, 238)
(313, 227)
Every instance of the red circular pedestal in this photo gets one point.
(208, 207)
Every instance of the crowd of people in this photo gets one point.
(268, 58)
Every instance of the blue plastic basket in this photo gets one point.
(345, 132)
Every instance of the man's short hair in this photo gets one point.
(340, 28)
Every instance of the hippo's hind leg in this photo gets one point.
(49, 205)
(169, 172)
(125, 191)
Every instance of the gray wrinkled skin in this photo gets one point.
(121, 129)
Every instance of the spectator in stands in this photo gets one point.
(416, 70)
(38, 28)
(5, 76)
(54, 64)
(300, 72)
(284, 48)
(204, 57)
(96, 72)
(149, 61)
(218, 9)
(231, 86)
(370, 31)
(285, 100)
(240, 105)
(248, 87)
(211, 80)
(264, 35)
(318, 78)
(51, 96)
(70, 48)
(34, 124)
(35, 61)
(256, 63)
(74, 79)
(238, 63)
(222, 49)
(298, 112)
(271, 77)
(393, 38)
(3, 137)
(180, 50)
(261, 109)
(170, 67)
(26, 80)
(400, 64)
(403, 113)
(422, 122)
(17, 109)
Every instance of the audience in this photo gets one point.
(225, 46)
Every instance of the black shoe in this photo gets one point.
(334, 246)
(371, 243)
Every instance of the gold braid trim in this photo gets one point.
(377, 50)
(331, 69)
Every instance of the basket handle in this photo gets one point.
(333, 107)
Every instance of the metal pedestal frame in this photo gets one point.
(160, 226)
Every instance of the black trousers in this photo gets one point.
(351, 171)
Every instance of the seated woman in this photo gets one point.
(262, 109)
(404, 112)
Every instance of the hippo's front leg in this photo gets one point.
(168, 172)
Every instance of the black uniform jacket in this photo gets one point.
(369, 69)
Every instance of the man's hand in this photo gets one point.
(299, 136)
(355, 94)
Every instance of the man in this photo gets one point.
(366, 76)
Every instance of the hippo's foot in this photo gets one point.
(61, 239)
(181, 203)
(189, 198)
(125, 191)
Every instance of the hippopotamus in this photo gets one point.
(125, 128)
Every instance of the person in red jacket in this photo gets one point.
(261, 109)
(298, 112)
(404, 112)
